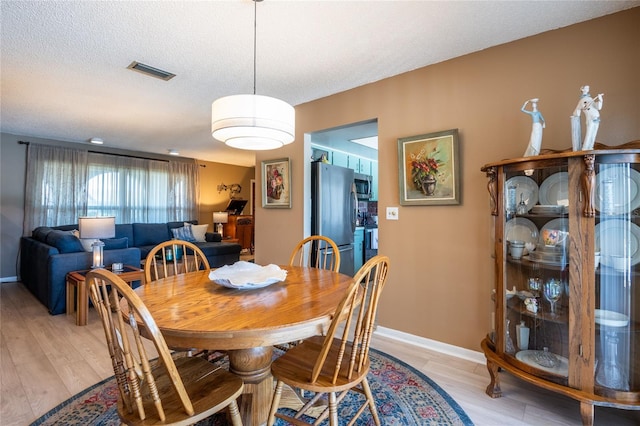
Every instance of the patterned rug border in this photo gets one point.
(63, 404)
(443, 394)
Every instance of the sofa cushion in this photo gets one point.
(115, 243)
(40, 233)
(125, 230)
(184, 233)
(173, 225)
(212, 237)
(217, 249)
(64, 241)
(145, 234)
(199, 232)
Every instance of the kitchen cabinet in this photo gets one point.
(567, 307)
(364, 166)
(357, 164)
(358, 248)
(339, 159)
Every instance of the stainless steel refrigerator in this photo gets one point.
(334, 208)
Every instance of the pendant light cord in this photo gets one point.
(255, 26)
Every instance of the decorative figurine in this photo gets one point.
(591, 108)
(531, 303)
(535, 140)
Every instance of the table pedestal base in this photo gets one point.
(254, 367)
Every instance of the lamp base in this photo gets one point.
(98, 254)
(220, 229)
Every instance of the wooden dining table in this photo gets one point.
(192, 311)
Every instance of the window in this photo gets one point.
(63, 184)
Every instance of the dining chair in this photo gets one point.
(316, 251)
(174, 257)
(327, 256)
(339, 362)
(162, 390)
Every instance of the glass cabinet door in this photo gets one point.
(617, 245)
(536, 244)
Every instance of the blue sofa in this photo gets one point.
(50, 253)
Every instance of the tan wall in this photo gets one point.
(442, 271)
(214, 174)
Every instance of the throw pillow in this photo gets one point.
(87, 243)
(40, 233)
(64, 241)
(184, 234)
(115, 243)
(198, 232)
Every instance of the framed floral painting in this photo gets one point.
(276, 184)
(429, 171)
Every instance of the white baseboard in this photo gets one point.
(8, 279)
(433, 345)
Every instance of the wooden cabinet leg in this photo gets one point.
(586, 412)
(493, 390)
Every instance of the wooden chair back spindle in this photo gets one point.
(316, 251)
(157, 266)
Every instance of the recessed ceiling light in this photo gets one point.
(370, 141)
(96, 141)
(151, 71)
(173, 152)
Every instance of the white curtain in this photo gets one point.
(55, 192)
(63, 184)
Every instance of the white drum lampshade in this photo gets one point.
(219, 218)
(97, 227)
(252, 122)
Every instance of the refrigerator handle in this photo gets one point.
(354, 210)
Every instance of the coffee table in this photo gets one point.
(76, 280)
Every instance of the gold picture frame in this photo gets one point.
(276, 184)
(429, 170)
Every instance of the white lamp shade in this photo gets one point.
(252, 122)
(97, 227)
(220, 217)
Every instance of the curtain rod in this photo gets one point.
(109, 153)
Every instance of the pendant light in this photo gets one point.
(253, 122)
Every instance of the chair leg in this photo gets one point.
(236, 420)
(277, 393)
(333, 409)
(372, 404)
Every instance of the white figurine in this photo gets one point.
(591, 108)
(535, 140)
(531, 303)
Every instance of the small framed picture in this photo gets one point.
(276, 184)
(429, 171)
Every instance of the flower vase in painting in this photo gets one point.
(276, 184)
(424, 170)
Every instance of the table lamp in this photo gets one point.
(97, 227)
(219, 218)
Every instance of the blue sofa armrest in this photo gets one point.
(60, 264)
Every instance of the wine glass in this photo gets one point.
(534, 285)
(552, 291)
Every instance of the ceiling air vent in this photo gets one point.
(153, 72)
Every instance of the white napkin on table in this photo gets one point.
(248, 274)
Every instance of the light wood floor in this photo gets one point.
(47, 359)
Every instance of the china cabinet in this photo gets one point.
(567, 305)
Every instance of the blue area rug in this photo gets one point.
(404, 396)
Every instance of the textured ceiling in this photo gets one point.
(64, 76)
